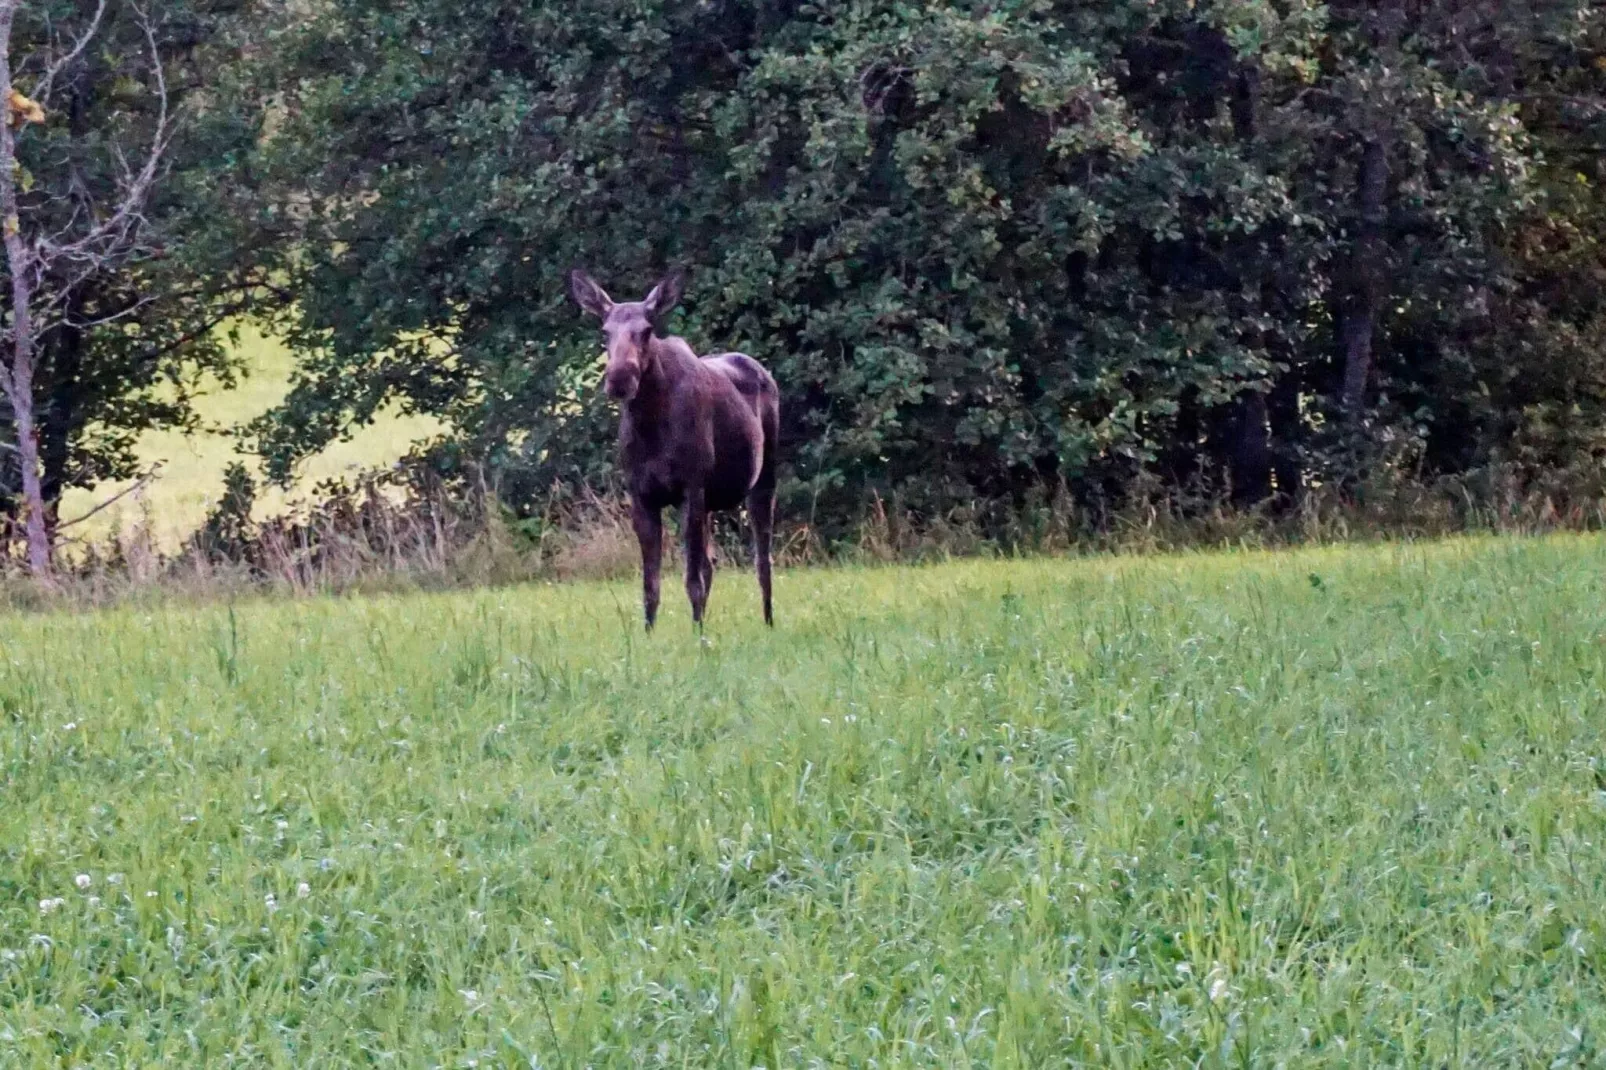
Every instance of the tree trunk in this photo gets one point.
(32, 491)
(58, 415)
(1180, 461)
(1282, 415)
(60, 410)
(1249, 447)
(1249, 450)
(1358, 323)
(17, 380)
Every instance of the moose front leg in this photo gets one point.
(698, 570)
(649, 525)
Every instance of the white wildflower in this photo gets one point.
(48, 905)
(83, 880)
(270, 902)
(303, 890)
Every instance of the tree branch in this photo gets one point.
(46, 83)
(118, 228)
(112, 317)
(139, 484)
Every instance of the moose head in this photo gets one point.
(629, 327)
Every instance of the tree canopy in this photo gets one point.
(990, 250)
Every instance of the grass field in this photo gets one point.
(190, 481)
(1326, 808)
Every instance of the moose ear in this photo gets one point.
(665, 296)
(588, 295)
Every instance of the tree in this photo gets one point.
(30, 257)
(128, 269)
(989, 249)
(1447, 172)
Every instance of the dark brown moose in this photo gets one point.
(697, 432)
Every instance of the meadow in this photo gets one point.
(1332, 807)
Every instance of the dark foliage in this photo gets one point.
(992, 251)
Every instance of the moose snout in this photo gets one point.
(621, 385)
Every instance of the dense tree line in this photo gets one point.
(992, 250)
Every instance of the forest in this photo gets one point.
(1001, 257)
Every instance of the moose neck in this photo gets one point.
(659, 373)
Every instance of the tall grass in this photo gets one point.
(405, 528)
(1324, 808)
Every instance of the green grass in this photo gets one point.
(1329, 808)
(190, 481)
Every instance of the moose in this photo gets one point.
(695, 432)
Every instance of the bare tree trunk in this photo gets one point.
(17, 380)
(32, 489)
(1248, 449)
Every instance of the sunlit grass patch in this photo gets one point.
(190, 480)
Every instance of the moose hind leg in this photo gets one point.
(761, 511)
(709, 554)
(649, 525)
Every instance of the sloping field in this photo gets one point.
(1330, 808)
(190, 481)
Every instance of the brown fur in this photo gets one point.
(696, 433)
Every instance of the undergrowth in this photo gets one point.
(408, 530)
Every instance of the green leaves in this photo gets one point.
(984, 248)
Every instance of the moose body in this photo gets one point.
(697, 433)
